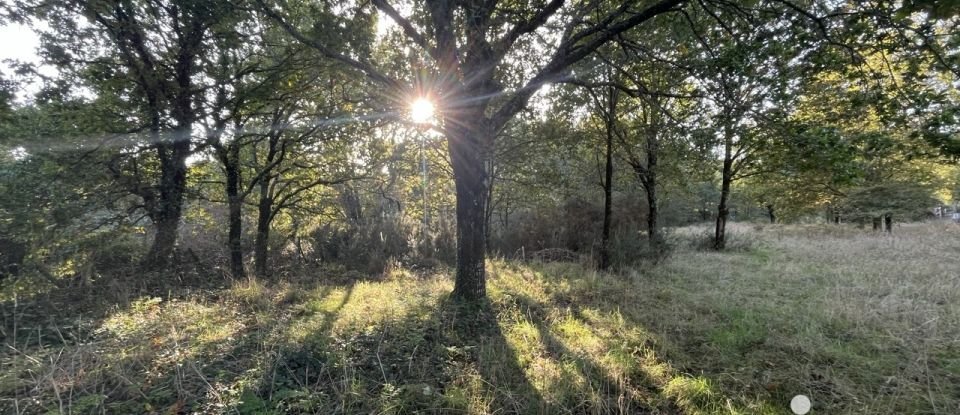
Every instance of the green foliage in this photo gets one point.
(903, 201)
(856, 110)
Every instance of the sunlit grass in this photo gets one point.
(861, 323)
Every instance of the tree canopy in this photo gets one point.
(283, 127)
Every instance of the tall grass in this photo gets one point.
(859, 322)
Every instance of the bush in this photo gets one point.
(574, 225)
(368, 246)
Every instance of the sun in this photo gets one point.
(421, 111)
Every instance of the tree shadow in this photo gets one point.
(50, 311)
(440, 356)
(632, 393)
(676, 388)
(138, 363)
(332, 350)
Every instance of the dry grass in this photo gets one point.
(859, 322)
(862, 322)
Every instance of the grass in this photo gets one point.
(859, 322)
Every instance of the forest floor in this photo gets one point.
(859, 322)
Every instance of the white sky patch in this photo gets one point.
(20, 43)
(384, 24)
(540, 103)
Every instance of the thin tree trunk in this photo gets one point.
(608, 181)
(469, 144)
(888, 221)
(235, 204)
(489, 208)
(650, 185)
(653, 212)
(771, 213)
(264, 210)
(720, 237)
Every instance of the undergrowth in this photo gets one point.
(859, 322)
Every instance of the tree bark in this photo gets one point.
(650, 185)
(469, 143)
(653, 216)
(264, 214)
(169, 207)
(490, 205)
(771, 213)
(608, 180)
(888, 221)
(726, 177)
(235, 205)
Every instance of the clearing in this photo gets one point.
(859, 322)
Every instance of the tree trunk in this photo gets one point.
(235, 204)
(720, 237)
(771, 213)
(653, 213)
(888, 221)
(650, 184)
(469, 143)
(608, 182)
(173, 180)
(264, 210)
(490, 206)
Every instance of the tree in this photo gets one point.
(662, 101)
(746, 78)
(469, 50)
(147, 55)
(58, 202)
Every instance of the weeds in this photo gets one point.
(860, 322)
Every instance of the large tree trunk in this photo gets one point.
(264, 215)
(235, 204)
(169, 208)
(173, 155)
(469, 143)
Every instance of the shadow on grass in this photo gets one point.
(169, 345)
(633, 392)
(392, 347)
(439, 356)
(40, 310)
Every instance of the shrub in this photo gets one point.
(366, 246)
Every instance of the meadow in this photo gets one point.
(860, 322)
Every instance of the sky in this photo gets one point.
(19, 42)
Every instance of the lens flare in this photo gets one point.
(421, 111)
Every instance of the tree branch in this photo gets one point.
(366, 68)
(407, 27)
